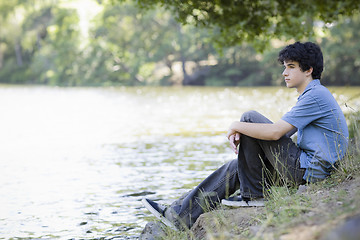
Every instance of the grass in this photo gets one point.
(321, 203)
(311, 213)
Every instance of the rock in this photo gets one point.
(349, 230)
(152, 231)
(302, 232)
(139, 194)
(302, 189)
(224, 223)
(254, 229)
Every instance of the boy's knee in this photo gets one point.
(247, 116)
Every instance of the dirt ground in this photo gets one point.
(331, 212)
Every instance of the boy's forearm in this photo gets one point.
(263, 131)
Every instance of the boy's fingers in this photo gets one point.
(233, 142)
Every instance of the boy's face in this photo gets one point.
(295, 77)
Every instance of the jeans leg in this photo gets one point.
(247, 173)
(219, 185)
(260, 161)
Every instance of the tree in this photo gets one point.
(256, 21)
(56, 59)
(342, 53)
(39, 43)
(144, 48)
(16, 38)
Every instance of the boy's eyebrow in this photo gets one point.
(289, 64)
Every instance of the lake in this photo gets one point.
(76, 162)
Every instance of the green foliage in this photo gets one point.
(41, 42)
(55, 62)
(153, 45)
(342, 50)
(128, 41)
(256, 21)
(47, 41)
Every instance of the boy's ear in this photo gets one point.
(309, 71)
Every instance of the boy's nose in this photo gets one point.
(284, 73)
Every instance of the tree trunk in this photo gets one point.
(1, 56)
(168, 63)
(186, 78)
(18, 54)
(38, 40)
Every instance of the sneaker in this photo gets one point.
(158, 211)
(239, 201)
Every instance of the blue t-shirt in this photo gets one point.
(322, 130)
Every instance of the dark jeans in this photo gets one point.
(260, 164)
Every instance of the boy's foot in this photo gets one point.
(239, 201)
(158, 211)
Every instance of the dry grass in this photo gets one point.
(290, 213)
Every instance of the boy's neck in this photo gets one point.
(300, 89)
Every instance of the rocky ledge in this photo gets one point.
(330, 213)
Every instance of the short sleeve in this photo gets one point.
(304, 112)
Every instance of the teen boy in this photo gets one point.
(265, 149)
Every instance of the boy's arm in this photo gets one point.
(263, 131)
(291, 132)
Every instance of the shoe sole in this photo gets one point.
(242, 203)
(158, 215)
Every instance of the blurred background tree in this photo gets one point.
(160, 42)
(255, 21)
(342, 48)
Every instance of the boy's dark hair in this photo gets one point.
(306, 54)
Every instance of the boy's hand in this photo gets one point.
(234, 140)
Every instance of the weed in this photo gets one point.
(285, 209)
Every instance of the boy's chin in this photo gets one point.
(288, 85)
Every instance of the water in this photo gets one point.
(75, 162)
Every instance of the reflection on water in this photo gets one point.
(75, 163)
